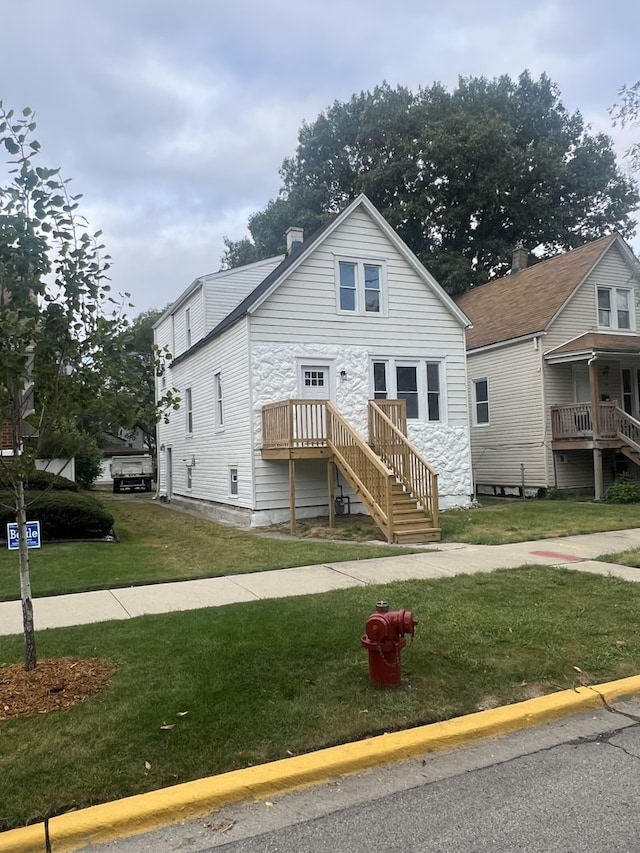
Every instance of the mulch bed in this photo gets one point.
(54, 685)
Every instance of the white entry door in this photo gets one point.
(310, 419)
(314, 382)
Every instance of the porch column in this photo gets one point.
(331, 495)
(597, 474)
(594, 393)
(292, 494)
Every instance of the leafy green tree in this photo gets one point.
(143, 364)
(627, 113)
(59, 325)
(464, 176)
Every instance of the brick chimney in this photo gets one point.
(520, 258)
(294, 236)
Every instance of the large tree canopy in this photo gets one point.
(464, 176)
(626, 113)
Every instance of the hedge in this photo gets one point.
(40, 481)
(62, 515)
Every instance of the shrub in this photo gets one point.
(40, 481)
(622, 491)
(62, 514)
(88, 466)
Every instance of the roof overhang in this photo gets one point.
(592, 346)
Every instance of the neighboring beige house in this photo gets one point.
(329, 379)
(553, 359)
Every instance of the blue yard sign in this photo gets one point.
(33, 535)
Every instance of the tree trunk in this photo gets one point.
(25, 582)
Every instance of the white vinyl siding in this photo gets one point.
(516, 434)
(214, 451)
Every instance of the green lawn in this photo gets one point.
(157, 543)
(498, 521)
(267, 679)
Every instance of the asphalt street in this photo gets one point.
(564, 787)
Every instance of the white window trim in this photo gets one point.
(187, 327)
(303, 364)
(613, 327)
(421, 376)
(218, 401)
(188, 410)
(476, 402)
(234, 495)
(189, 478)
(360, 262)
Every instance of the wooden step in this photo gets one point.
(415, 537)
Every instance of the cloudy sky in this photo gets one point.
(173, 118)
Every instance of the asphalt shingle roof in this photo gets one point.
(524, 303)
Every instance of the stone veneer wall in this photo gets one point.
(275, 377)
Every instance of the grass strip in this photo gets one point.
(268, 679)
(158, 544)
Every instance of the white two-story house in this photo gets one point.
(329, 379)
(554, 370)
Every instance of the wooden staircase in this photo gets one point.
(398, 487)
(410, 524)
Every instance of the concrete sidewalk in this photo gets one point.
(435, 561)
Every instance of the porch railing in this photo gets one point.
(419, 478)
(628, 430)
(575, 421)
(294, 424)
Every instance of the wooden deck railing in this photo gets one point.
(419, 478)
(294, 424)
(366, 472)
(628, 429)
(395, 410)
(575, 421)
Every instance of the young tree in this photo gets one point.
(59, 325)
(464, 176)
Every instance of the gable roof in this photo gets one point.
(524, 303)
(257, 296)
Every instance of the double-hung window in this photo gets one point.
(187, 327)
(419, 383)
(614, 308)
(188, 405)
(360, 287)
(480, 401)
(219, 410)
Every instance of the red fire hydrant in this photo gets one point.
(384, 640)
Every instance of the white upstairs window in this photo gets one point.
(480, 402)
(614, 308)
(360, 287)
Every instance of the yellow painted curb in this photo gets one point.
(145, 812)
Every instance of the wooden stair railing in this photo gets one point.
(366, 473)
(419, 478)
(628, 431)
